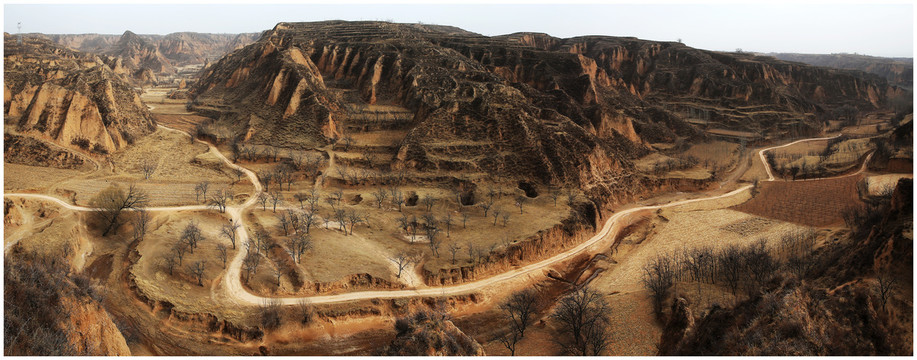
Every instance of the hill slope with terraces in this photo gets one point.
(525, 106)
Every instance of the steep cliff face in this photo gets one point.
(525, 105)
(898, 71)
(70, 98)
(137, 53)
(53, 313)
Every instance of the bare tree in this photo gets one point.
(447, 220)
(220, 198)
(148, 167)
(200, 190)
(496, 214)
(277, 272)
(305, 310)
(141, 221)
(380, 195)
(505, 218)
(583, 320)
(730, 266)
(434, 241)
(171, 259)
(347, 141)
(486, 205)
(276, 198)
(179, 249)
(223, 253)
(262, 198)
(554, 195)
(464, 217)
(197, 270)
(110, 202)
(229, 232)
(658, 278)
(402, 260)
(885, 283)
(520, 200)
(509, 340)
(298, 245)
(571, 196)
(454, 247)
(284, 223)
(520, 309)
(237, 174)
(191, 235)
(301, 197)
(398, 199)
(250, 264)
(428, 202)
(353, 218)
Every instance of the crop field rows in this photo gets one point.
(813, 203)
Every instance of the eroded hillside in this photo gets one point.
(70, 98)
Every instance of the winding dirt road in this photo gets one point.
(230, 289)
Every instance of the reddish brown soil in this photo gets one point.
(814, 203)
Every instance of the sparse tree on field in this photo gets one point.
(250, 264)
(729, 262)
(554, 195)
(301, 197)
(220, 198)
(583, 319)
(470, 247)
(447, 220)
(276, 198)
(197, 270)
(520, 200)
(509, 340)
(262, 198)
(110, 202)
(486, 205)
(307, 219)
(284, 223)
(223, 253)
(428, 202)
(491, 193)
(237, 174)
(200, 190)
(414, 227)
(380, 195)
(298, 245)
(505, 217)
(401, 260)
(496, 214)
(278, 273)
(229, 232)
(171, 259)
(141, 221)
(464, 218)
(353, 218)
(179, 249)
(454, 247)
(404, 223)
(434, 243)
(658, 278)
(519, 310)
(191, 235)
(148, 167)
(270, 313)
(398, 199)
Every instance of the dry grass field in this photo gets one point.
(180, 165)
(813, 203)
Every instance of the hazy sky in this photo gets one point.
(873, 29)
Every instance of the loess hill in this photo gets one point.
(70, 98)
(522, 106)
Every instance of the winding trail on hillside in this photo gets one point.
(231, 290)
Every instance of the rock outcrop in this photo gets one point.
(898, 71)
(139, 54)
(70, 98)
(427, 333)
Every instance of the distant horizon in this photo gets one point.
(881, 30)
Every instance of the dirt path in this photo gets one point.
(230, 289)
